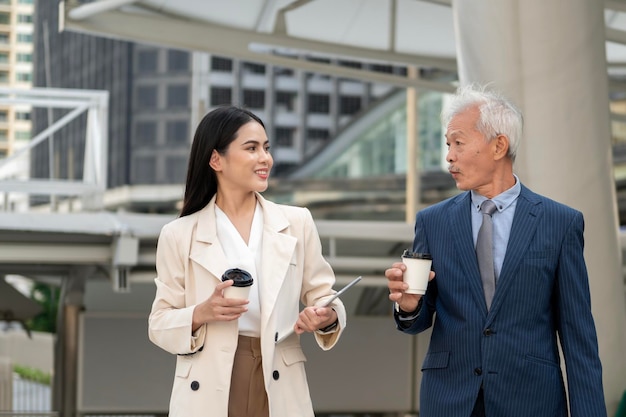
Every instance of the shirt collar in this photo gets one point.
(502, 200)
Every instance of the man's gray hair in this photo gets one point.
(498, 115)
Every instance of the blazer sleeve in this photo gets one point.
(576, 326)
(170, 320)
(318, 280)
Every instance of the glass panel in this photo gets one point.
(178, 60)
(178, 96)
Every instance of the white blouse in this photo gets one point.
(246, 257)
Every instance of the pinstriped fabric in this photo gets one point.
(511, 350)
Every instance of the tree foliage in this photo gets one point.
(48, 297)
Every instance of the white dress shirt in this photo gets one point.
(247, 257)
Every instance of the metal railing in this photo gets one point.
(14, 170)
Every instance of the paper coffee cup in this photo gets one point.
(242, 281)
(417, 271)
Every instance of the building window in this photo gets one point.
(24, 57)
(351, 64)
(387, 69)
(251, 68)
(22, 134)
(177, 96)
(221, 64)
(26, 1)
(4, 135)
(4, 77)
(3, 116)
(24, 38)
(220, 95)
(318, 103)
(147, 62)
(279, 71)
(22, 115)
(284, 137)
(177, 132)
(24, 18)
(145, 133)
(5, 19)
(176, 169)
(145, 170)
(4, 38)
(178, 60)
(349, 105)
(317, 134)
(286, 101)
(24, 77)
(255, 99)
(147, 97)
(4, 57)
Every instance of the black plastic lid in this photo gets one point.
(241, 277)
(416, 255)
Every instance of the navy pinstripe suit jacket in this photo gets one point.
(542, 293)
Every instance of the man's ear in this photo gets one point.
(502, 146)
(215, 162)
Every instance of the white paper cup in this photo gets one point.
(242, 282)
(237, 292)
(417, 271)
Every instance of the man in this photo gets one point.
(496, 354)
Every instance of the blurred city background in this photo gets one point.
(98, 104)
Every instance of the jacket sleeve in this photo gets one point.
(576, 327)
(170, 320)
(318, 281)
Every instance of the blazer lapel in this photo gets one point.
(527, 214)
(461, 226)
(278, 249)
(206, 250)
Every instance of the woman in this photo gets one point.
(229, 363)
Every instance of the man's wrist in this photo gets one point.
(408, 315)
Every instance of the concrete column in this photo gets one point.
(549, 57)
(65, 387)
(6, 384)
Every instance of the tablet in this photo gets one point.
(326, 304)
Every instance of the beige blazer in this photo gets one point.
(190, 262)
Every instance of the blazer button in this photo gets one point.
(487, 332)
(275, 375)
(195, 385)
(478, 372)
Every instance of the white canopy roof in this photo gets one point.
(412, 32)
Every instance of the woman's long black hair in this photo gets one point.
(216, 131)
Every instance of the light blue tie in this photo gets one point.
(484, 251)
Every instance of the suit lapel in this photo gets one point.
(527, 214)
(278, 249)
(461, 226)
(206, 249)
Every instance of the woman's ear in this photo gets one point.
(215, 162)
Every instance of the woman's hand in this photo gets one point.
(218, 308)
(313, 318)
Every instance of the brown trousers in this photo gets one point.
(247, 390)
